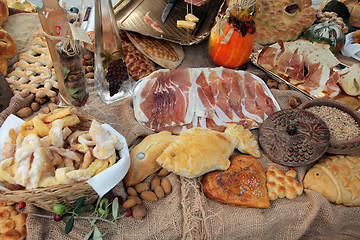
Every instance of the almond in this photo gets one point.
(155, 182)
(138, 212)
(129, 203)
(140, 187)
(163, 172)
(137, 199)
(24, 112)
(159, 191)
(166, 185)
(131, 191)
(148, 196)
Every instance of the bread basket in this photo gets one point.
(66, 194)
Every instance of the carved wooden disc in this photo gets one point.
(294, 137)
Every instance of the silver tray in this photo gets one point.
(129, 15)
(342, 97)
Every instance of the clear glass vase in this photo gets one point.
(112, 81)
(65, 54)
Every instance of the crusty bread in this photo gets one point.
(4, 12)
(355, 16)
(12, 223)
(242, 184)
(143, 157)
(337, 179)
(320, 53)
(273, 23)
(350, 80)
(164, 53)
(7, 50)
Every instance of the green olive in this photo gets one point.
(59, 209)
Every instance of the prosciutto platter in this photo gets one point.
(180, 99)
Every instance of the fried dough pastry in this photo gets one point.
(242, 184)
(198, 150)
(143, 157)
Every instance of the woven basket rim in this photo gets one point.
(46, 195)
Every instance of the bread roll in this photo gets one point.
(4, 12)
(337, 178)
(355, 16)
(243, 183)
(350, 80)
(7, 50)
(143, 157)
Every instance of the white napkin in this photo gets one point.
(102, 182)
(350, 48)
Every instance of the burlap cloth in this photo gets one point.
(187, 214)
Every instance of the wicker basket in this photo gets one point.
(46, 198)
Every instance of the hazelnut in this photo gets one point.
(283, 86)
(294, 101)
(272, 83)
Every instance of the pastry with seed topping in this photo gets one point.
(164, 53)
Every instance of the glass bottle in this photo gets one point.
(65, 53)
(112, 81)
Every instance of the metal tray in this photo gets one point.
(129, 15)
(254, 57)
(342, 97)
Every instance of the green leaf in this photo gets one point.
(64, 71)
(88, 235)
(97, 234)
(69, 225)
(79, 202)
(115, 208)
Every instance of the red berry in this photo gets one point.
(120, 199)
(127, 212)
(58, 217)
(22, 204)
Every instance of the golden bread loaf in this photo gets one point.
(4, 11)
(143, 157)
(242, 184)
(7, 50)
(200, 150)
(337, 178)
(355, 16)
(12, 224)
(281, 184)
(282, 20)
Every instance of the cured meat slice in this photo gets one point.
(291, 66)
(235, 97)
(220, 92)
(268, 57)
(177, 100)
(263, 102)
(165, 100)
(152, 23)
(316, 79)
(331, 87)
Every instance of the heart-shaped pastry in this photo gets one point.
(243, 183)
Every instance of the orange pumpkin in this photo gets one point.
(235, 52)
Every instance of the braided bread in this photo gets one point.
(34, 71)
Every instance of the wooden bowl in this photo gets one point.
(338, 146)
